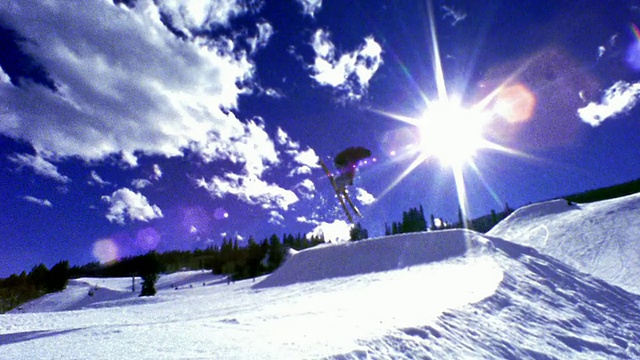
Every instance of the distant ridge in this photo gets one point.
(606, 193)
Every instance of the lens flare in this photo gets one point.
(220, 213)
(514, 103)
(105, 250)
(633, 51)
(147, 239)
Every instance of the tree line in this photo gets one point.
(18, 289)
(414, 220)
(231, 257)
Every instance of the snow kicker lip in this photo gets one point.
(362, 257)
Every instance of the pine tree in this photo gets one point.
(357, 232)
(276, 252)
(58, 277)
(149, 268)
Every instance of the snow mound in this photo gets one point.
(441, 295)
(374, 255)
(84, 293)
(598, 238)
(542, 309)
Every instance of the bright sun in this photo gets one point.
(450, 133)
(454, 134)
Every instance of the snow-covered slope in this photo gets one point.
(84, 293)
(602, 238)
(453, 294)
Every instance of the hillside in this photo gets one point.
(448, 294)
(606, 193)
(598, 238)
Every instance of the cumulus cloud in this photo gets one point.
(124, 83)
(188, 16)
(126, 204)
(620, 98)
(246, 144)
(364, 196)
(254, 149)
(336, 231)
(306, 188)
(349, 73)
(307, 158)
(303, 160)
(284, 140)
(251, 190)
(39, 166)
(41, 202)
(275, 217)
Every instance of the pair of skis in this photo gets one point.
(343, 196)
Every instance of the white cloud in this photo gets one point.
(140, 183)
(306, 188)
(189, 16)
(284, 140)
(250, 189)
(303, 160)
(41, 202)
(4, 78)
(620, 98)
(274, 93)
(304, 219)
(265, 31)
(97, 180)
(124, 203)
(310, 7)
(157, 172)
(246, 144)
(351, 72)
(307, 158)
(336, 231)
(364, 197)
(275, 217)
(126, 84)
(40, 166)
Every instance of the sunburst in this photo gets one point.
(448, 131)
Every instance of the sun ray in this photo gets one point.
(486, 184)
(407, 171)
(454, 134)
(437, 62)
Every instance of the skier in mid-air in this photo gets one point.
(346, 162)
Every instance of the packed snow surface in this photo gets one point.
(601, 238)
(449, 294)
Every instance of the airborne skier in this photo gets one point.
(346, 163)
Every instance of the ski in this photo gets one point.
(355, 209)
(338, 193)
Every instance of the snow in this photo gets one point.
(602, 238)
(445, 294)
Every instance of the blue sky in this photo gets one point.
(129, 126)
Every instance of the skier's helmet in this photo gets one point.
(351, 155)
